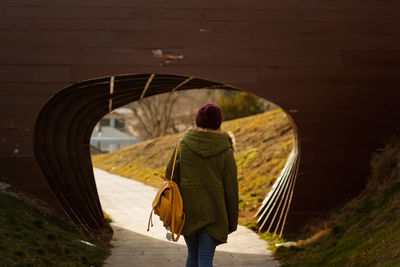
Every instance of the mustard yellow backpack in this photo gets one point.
(168, 205)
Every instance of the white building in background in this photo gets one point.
(110, 133)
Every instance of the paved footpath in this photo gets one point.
(128, 202)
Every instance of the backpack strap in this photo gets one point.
(176, 154)
(150, 220)
(172, 211)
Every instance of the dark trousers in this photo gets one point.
(201, 249)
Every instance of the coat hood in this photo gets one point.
(208, 143)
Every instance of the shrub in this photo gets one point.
(240, 105)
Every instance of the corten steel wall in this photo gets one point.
(333, 65)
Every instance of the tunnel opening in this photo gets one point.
(62, 144)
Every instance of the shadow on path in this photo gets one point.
(134, 249)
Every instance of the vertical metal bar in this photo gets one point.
(147, 86)
(182, 83)
(111, 94)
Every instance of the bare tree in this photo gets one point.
(151, 117)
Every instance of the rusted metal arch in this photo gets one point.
(64, 127)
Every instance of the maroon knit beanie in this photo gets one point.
(209, 116)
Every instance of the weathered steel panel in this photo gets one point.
(62, 38)
(29, 88)
(32, 73)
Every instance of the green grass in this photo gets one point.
(29, 237)
(264, 142)
(366, 231)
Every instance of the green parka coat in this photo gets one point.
(207, 177)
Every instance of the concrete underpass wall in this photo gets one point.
(333, 65)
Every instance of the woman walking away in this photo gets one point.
(207, 177)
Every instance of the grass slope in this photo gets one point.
(29, 237)
(366, 231)
(264, 142)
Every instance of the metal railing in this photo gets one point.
(273, 211)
